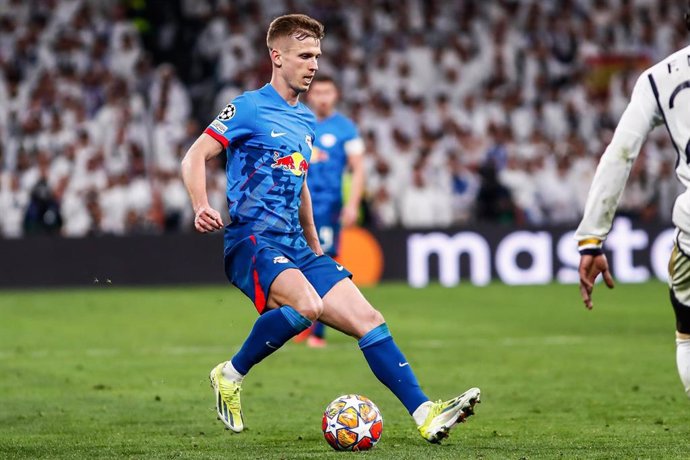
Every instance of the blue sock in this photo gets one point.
(319, 330)
(391, 368)
(270, 332)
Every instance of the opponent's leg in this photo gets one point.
(679, 291)
(278, 324)
(683, 359)
(682, 340)
(319, 330)
(346, 309)
(317, 339)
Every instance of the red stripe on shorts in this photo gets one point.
(259, 297)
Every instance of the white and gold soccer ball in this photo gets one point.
(352, 422)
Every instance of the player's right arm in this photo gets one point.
(206, 219)
(641, 115)
(235, 122)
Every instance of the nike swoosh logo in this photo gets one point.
(275, 134)
(268, 344)
(403, 364)
(339, 267)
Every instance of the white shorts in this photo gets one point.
(679, 268)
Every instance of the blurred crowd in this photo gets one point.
(470, 110)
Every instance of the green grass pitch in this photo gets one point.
(123, 373)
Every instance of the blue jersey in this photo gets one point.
(328, 164)
(268, 144)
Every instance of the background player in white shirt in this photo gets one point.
(661, 96)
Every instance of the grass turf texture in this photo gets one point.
(122, 373)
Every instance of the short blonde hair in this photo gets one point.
(299, 26)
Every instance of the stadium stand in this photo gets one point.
(471, 111)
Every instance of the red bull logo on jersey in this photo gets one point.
(295, 163)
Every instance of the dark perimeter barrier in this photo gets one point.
(130, 260)
(476, 255)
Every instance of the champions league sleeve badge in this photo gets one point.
(227, 113)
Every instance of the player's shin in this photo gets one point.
(683, 362)
(271, 330)
(682, 312)
(391, 367)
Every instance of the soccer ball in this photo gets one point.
(352, 422)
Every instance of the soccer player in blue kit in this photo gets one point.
(272, 252)
(337, 147)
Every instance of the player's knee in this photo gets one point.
(310, 307)
(372, 319)
(377, 318)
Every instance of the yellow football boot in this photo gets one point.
(227, 393)
(444, 414)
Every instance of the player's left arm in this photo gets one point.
(355, 159)
(306, 219)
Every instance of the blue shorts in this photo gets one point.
(329, 234)
(254, 262)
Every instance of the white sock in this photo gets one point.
(420, 413)
(230, 373)
(683, 362)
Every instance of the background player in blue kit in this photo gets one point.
(337, 148)
(272, 252)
